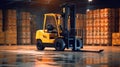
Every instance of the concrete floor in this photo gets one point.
(28, 56)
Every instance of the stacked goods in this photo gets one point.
(119, 19)
(33, 29)
(33, 32)
(89, 27)
(97, 26)
(115, 39)
(119, 22)
(24, 31)
(80, 19)
(11, 28)
(1, 32)
(104, 21)
(2, 41)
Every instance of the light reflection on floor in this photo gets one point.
(33, 58)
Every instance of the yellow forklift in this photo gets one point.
(56, 32)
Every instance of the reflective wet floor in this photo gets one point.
(50, 58)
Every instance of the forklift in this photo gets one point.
(57, 34)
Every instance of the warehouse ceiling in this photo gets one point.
(54, 5)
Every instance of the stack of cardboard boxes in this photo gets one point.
(98, 26)
(25, 30)
(2, 35)
(11, 27)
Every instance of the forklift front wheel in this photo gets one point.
(40, 45)
(59, 44)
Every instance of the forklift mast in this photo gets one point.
(69, 12)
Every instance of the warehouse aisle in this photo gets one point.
(51, 58)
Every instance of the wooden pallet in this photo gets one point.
(115, 44)
(10, 44)
(1, 44)
(104, 45)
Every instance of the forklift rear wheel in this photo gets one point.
(59, 44)
(40, 45)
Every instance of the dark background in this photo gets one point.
(38, 7)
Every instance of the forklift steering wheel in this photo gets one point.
(50, 27)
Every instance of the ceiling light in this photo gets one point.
(88, 10)
(90, 0)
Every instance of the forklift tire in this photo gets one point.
(59, 44)
(40, 45)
